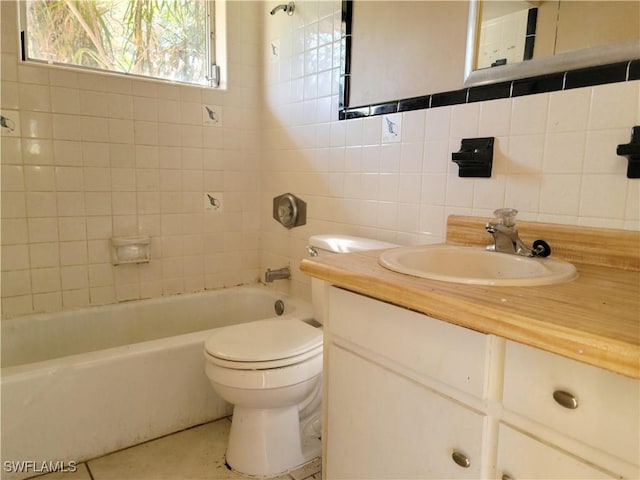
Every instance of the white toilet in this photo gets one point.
(271, 371)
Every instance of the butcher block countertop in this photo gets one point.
(594, 319)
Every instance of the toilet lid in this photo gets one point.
(263, 340)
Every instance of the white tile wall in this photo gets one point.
(554, 156)
(94, 156)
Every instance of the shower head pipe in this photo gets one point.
(289, 8)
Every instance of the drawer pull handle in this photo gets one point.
(506, 476)
(565, 399)
(461, 459)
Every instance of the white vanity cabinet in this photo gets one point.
(409, 396)
(404, 393)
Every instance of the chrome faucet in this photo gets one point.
(506, 238)
(279, 274)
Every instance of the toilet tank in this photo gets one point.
(345, 244)
(335, 244)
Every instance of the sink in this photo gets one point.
(476, 266)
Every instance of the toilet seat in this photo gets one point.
(268, 364)
(264, 379)
(263, 344)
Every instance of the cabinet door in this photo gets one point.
(381, 425)
(520, 457)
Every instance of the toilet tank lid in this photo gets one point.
(347, 243)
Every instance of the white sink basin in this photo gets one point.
(476, 266)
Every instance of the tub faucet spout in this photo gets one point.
(279, 274)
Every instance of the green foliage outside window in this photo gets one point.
(165, 39)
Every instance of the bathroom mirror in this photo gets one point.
(403, 49)
(548, 36)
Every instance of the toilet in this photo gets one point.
(271, 372)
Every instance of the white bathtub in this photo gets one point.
(76, 385)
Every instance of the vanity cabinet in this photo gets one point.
(409, 396)
(403, 393)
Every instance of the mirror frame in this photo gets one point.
(588, 67)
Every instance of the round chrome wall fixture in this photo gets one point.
(289, 210)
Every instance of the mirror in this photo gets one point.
(513, 39)
(391, 52)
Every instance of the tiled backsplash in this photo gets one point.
(95, 156)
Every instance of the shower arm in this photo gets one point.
(288, 8)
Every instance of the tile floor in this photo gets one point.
(193, 454)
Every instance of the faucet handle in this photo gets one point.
(507, 216)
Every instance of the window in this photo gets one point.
(166, 39)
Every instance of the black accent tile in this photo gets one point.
(347, 16)
(356, 112)
(532, 20)
(23, 46)
(384, 108)
(634, 70)
(415, 103)
(455, 97)
(490, 92)
(529, 44)
(585, 77)
(346, 55)
(533, 85)
(344, 88)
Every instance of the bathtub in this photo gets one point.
(79, 384)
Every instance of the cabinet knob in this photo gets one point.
(461, 459)
(565, 399)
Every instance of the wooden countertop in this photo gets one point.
(594, 318)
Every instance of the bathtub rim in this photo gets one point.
(303, 311)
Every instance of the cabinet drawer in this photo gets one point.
(448, 353)
(382, 426)
(607, 415)
(521, 456)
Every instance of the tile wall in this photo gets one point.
(554, 159)
(95, 156)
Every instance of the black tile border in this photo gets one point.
(541, 84)
(415, 103)
(569, 79)
(586, 77)
(634, 70)
(490, 92)
(453, 97)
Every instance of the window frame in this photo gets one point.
(214, 49)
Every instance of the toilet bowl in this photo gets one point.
(271, 371)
